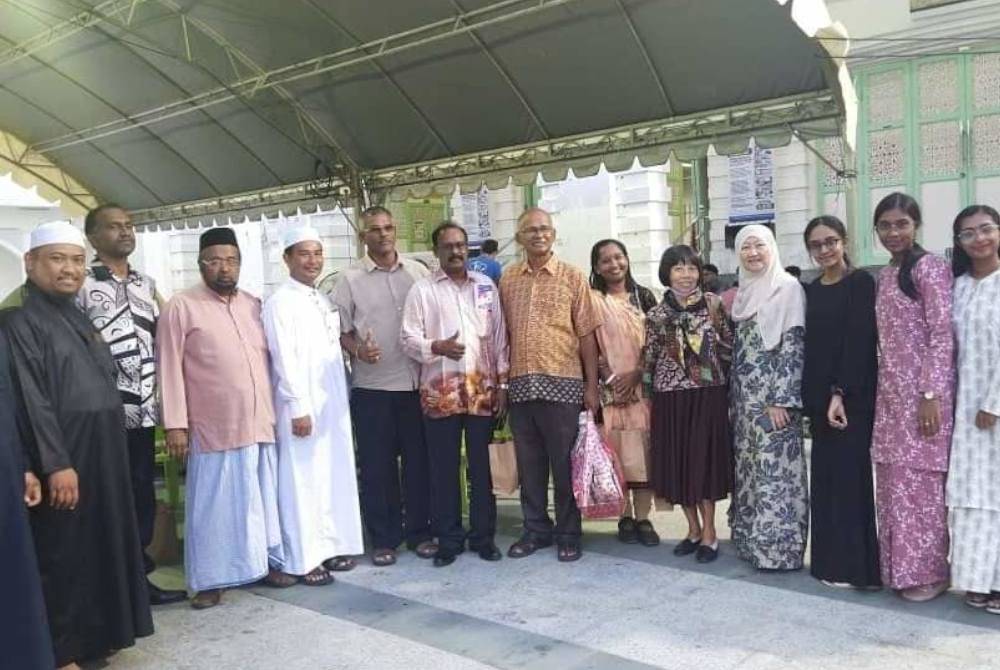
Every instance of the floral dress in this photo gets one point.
(769, 514)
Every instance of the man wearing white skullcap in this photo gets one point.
(317, 489)
(65, 374)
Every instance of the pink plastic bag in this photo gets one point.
(597, 473)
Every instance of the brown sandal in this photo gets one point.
(205, 599)
(280, 580)
(340, 564)
(317, 577)
(383, 557)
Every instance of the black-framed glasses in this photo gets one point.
(819, 246)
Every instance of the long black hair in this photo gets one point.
(639, 296)
(960, 261)
(910, 207)
(834, 224)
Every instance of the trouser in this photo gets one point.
(544, 435)
(388, 425)
(444, 446)
(142, 468)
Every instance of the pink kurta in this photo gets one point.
(917, 348)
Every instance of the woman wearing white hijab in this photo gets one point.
(769, 514)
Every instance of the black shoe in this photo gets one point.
(706, 554)
(627, 532)
(443, 559)
(158, 596)
(647, 534)
(686, 548)
(489, 552)
(526, 547)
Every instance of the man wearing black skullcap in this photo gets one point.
(217, 411)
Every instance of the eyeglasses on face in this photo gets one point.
(818, 246)
(983, 229)
(897, 226)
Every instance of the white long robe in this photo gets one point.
(973, 489)
(317, 485)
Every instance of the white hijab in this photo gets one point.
(772, 296)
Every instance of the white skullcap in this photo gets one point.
(300, 234)
(56, 232)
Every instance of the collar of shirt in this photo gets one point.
(102, 272)
(371, 266)
(299, 286)
(232, 297)
(551, 266)
(441, 275)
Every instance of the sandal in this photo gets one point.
(627, 531)
(280, 580)
(993, 606)
(340, 564)
(525, 547)
(383, 557)
(568, 553)
(977, 600)
(206, 599)
(317, 577)
(646, 534)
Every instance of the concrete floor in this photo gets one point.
(619, 607)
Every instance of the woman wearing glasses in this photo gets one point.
(913, 409)
(838, 392)
(769, 513)
(973, 490)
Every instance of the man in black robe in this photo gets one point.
(24, 632)
(85, 532)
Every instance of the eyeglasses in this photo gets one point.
(970, 234)
(541, 231)
(818, 246)
(897, 226)
(217, 263)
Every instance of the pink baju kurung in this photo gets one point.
(917, 356)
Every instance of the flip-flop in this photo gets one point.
(325, 578)
(340, 564)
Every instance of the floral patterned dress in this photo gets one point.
(769, 514)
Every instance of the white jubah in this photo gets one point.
(317, 483)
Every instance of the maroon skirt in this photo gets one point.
(691, 449)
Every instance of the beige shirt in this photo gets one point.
(213, 365)
(370, 298)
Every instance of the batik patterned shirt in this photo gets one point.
(124, 311)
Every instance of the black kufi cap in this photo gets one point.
(214, 236)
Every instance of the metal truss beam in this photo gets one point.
(247, 87)
(780, 116)
(34, 169)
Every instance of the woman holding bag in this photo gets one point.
(769, 515)
(688, 347)
(622, 305)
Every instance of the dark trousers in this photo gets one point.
(444, 447)
(142, 468)
(544, 434)
(388, 425)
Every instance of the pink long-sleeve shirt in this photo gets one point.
(213, 367)
(436, 308)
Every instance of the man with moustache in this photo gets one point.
(553, 375)
(85, 533)
(385, 404)
(123, 305)
(218, 412)
(317, 482)
(454, 327)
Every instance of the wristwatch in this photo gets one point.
(929, 395)
(503, 385)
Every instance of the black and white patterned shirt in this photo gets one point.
(124, 311)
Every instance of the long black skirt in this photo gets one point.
(691, 446)
(844, 545)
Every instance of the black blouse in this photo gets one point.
(841, 344)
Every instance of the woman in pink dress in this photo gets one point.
(913, 409)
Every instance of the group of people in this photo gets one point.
(269, 405)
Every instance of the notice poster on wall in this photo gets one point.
(476, 216)
(751, 187)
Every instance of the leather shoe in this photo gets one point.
(158, 596)
(489, 552)
(426, 549)
(442, 559)
(706, 553)
(686, 547)
(526, 547)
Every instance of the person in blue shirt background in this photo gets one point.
(486, 262)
